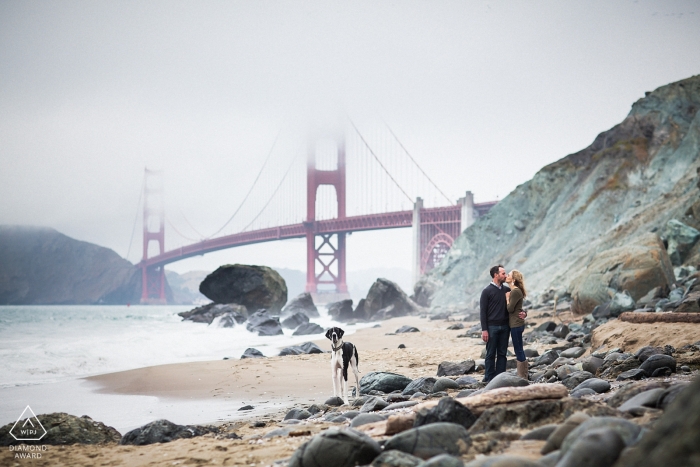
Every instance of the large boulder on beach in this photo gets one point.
(636, 268)
(302, 303)
(164, 431)
(254, 287)
(230, 313)
(308, 329)
(294, 320)
(431, 440)
(383, 381)
(338, 448)
(264, 324)
(447, 410)
(62, 429)
(385, 293)
(341, 311)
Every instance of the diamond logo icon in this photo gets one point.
(28, 427)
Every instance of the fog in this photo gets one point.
(483, 94)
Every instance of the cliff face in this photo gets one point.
(42, 266)
(631, 181)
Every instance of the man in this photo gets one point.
(494, 323)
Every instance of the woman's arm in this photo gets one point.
(516, 296)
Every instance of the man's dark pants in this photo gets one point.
(496, 350)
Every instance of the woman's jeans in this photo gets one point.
(497, 346)
(517, 335)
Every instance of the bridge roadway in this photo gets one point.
(387, 220)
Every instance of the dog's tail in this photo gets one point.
(357, 359)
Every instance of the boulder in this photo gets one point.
(384, 382)
(633, 374)
(442, 460)
(442, 384)
(404, 329)
(294, 350)
(596, 384)
(254, 287)
(297, 414)
(302, 303)
(680, 238)
(373, 404)
(294, 320)
(308, 329)
(591, 364)
(456, 369)
(670, 394)
(394, 458)
(645, 352)
(341, 311)
(627, 430)
(466, 380)
(264, 324)
(636, 268)
(573, 352)
(505, 380)
(578, 393)
(431, 440)
(336, 447)
(547, 326)
(207, 313)
(655, 362)
(365, 418)
(447, 410)
(310, 347)
(422, 384)
(576, 378)
(385, 293)
(547, 358)
(334, 402)
(648, 398)
(557, 436)
(252, 353)
(561, 331)
(627, 391)
(163, 431)
(541, 433)
(599, 447)
(62, 429)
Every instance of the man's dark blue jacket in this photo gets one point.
(493, 305)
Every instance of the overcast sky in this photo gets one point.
(483, 94)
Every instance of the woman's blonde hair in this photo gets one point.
(519, 280)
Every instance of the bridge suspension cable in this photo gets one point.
(136, 218)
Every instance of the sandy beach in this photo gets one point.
(273, 385)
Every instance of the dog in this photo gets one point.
(344, 354)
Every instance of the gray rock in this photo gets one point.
(573, 352)
(374, 404)
(302, 303)
(163, 431)
(385, 293)
(365, 418)
(565, 371)
(291, 351)
(254, 287)
(63, 429)
(456, 369)
(455, 327)
(629, 390)
(550, 460)
(530, 353)
(431, 440)
(627, 430)
(443, 460)
(646, 352)
(540, 433)
(562, 431)
(598, 447)
(576, 378)
(229, 314)
(297, 414)
(681, 238)
(561, 331)
(310, 348)
(400, 405)
(591, 364)
(466, 380)
(422, 384)
(547, 358)
(643, 399)
(671, 393)
(662, 372)
(466, 393)
(505, 380)
(308, 329)
(578, 393)
(336, 447)
(547, 326)
(598, 385)
(658, 361)
(633, 374)
(444, 383)
(383, 381)
(341, 311)
(264, 324)
(404, 329)
(447, 410)
(317, 408)
(562, 361)
(294, 320)
(252, 353)
(334, 402)
(395, 458)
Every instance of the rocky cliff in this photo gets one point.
(42, 266)
(594, 221)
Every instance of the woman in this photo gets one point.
(517, 318)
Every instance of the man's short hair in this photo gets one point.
(494, 270)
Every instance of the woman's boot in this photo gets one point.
(522, 369)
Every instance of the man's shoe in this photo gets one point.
(522, 370)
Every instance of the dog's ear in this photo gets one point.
(328, 333)
(340, 333)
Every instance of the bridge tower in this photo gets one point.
(153, 278)
(325, 251)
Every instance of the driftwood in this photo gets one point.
(668, 317)
(477, 404)
(394, 424)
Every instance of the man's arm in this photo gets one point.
(483, 315)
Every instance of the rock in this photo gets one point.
(252, 353)
(297, 414)
(503, 461)
(62, 429)
(341, 311)
(547, 326)
(455, 327)
(432, 440)
(680, 238)
(207, 313)
(547, 358)
(505, 380)
(565, 371)
(294, 320)
(310, 348)
(442, 384)
(630, 390)
(550, 460)
(690, 304)
(447, 410)
(562, 361)
(308, 329)
(562, 431)
(403, 329)
(636, 267)
(383, 381)
(627, 430)
(254, 287)
(578, 393)
(529, 353)
(643, 399)
(336, 447)
(561, 331)
(400, 405)
(294, 350)
(302, 303)
(573, 352)
(598, 385)
(455, 369)
(365, 418)
(670, 394)
(658, 361)
(316, 408)
(422, 384)
(395, 458)
(443, 460)
(646, 352)
(540, 433)
(373, 404)
(599, 447)
(384, 294)
(662, 372)
(264, 324)
(591, 364)
(163, 431)
(466, 380)
(576, 378)
(334, 402)
(633, 374)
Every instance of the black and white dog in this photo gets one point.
(343, 354)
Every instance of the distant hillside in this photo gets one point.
(40, 266)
